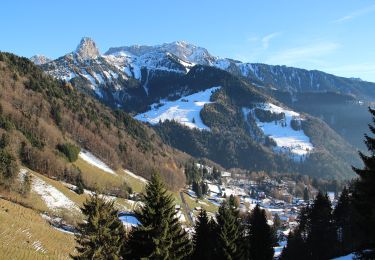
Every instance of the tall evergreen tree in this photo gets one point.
(295, 247)
(261, 237)
(160, 235)
(276, 222)
(343, 219)
(202, 239)
(197, 188)
(321, 239)
(227, 234)
(103, 235)
(364, 191)
(306, 196)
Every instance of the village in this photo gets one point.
(276, 197)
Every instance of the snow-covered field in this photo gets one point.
(53, 198)
(91, 159)
(288, 140)
(214, 188)
(185, 110)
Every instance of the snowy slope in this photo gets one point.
(185, 110)
(91, 159)
(138, 61)
(295, 143)
(53, 198)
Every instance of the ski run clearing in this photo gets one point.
(91, 159)
(53, 198)
(185, 110)
(290, 141)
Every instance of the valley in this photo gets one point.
(88, 124)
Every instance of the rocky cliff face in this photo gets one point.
(87, 49)
(40, 59)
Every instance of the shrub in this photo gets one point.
(69, 150)
(8, 166)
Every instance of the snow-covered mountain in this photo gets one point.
(40, 59)
(173, 81)
(113, 76)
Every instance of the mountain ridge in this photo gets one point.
(135, 77)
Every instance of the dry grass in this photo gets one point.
(207, 205)
(136, 184)
(26, 235)
(34, 200)
(96, 178)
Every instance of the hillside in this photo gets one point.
(151, 81)
(26, 235)
(40, 114)
(235, 140)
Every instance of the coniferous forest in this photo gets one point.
(323, 232)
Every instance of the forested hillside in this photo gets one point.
(43, 119)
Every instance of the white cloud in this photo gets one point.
(356, 14)
(266, 39)
(310, 53)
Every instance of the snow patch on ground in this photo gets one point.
(214, 188)
(295, 143)
(135, 176)
(53, 198)
(279, 249)
(185, 110)
(181, 216)
(91, 159)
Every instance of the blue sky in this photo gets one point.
(333, 36)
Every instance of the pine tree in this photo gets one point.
(276, 222)
(234, 203)
(26, 186)
(202, 239)
(227, 234)
(343, 219)
(306, 196)
(364, 191)
(197, 189)
(103, 235)
(321, 239)
(160, 235)
(80, 186)
(204, 188)
(261, 238)
(295, 247)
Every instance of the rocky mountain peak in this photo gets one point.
(40, 59)
(87, 49)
